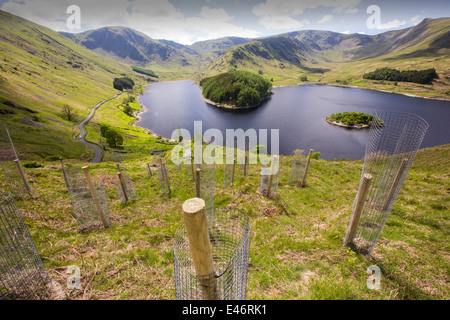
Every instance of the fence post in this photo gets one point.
(361, 199)
(24, 178)
(122, 185)
(94, 194)
(233, 170)
(269, 186)
(192, 167)
(306, 168)
(196, 224)
(149, 170)
(245, 165)
(63, 169)
(165, 175)
(197, 183)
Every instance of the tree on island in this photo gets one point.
(239, 88)
(351, 118)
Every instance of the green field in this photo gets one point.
(296, 247)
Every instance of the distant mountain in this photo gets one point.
(40, 71)
(211, 49)
(318, 52)
(284, 58)
(129, 45)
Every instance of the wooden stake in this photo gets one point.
(94, 194)
(232, 172)
(196, 224)
(165, 175)
(118, 167)
(122, 185)
(245, 165)
(197, 183)
(192, 167)
(306, 169)
(149, 170)
(272, 169)
(360, 201)
(63, 169)
(24, 178)
(395, 184)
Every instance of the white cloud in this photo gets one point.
(352, 10)
(391, 24)
(159, 19)
(282, 22)
(296, 7)
(346, 32)
(325, 18)
(280, 14)
(415, 20)
(215, 23)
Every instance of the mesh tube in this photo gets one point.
(393, 141)
(83, 204)
(229, 233)
(22, 273)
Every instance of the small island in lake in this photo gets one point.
(356, 120)
(236, 90)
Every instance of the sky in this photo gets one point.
(189, 21)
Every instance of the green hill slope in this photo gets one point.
(167, 58)
(330, 57)
(296, 249)
(41, 70)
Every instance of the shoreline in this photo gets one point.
(228, 107)
(365, 88)
(143, 108)
(137, 114)
(340, 124)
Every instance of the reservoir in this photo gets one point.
(298, 112)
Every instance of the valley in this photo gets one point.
(42, 70)
(56, 87)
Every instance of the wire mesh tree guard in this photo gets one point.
(89, 202)
(300, 166)
(230, 173)
(124, 185)
(205, 179)
(393, 141)
(270, 174)
(10, 163)
(22, 273)
(224, 274)
(163, 175)
(244, 161)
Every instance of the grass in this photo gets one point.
(346, 64)
(41, 70)
(296, 247)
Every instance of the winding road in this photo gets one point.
(98, 151)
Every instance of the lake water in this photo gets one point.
(298, 112)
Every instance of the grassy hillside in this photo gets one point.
(334, 58)
(41, 70)
(296, 247)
